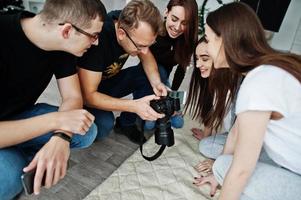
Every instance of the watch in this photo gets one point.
(62, 135)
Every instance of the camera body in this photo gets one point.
(166, 105)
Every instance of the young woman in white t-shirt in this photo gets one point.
(268, 110)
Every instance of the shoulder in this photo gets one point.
(268, 75)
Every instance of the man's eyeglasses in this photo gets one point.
(93, 37)
(138, 47)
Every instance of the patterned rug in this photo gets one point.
(170, 177)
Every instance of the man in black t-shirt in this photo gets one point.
(128, 32)
(33, 49)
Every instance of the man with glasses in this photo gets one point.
(128, 32)
(34, 48)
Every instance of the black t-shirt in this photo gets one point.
(108, 56)
(25, 69)
(164, 51)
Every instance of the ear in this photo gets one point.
(165, 13)
(66, 30)
(120, 34)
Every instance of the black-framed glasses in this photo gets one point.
(93, 37)
(138, 47)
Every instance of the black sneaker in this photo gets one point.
(131, 132)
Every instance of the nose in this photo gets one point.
(198, 64)
(144, 50)
(178, 26)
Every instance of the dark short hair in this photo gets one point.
(141, 11)
(79, 12)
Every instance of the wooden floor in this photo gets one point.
(89, 168)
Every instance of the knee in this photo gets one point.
(149, 125)
(10, 173)
(177, 121)
(221, 167)
(10, 185)
(205, 147)
(104, 126)
(88, 139)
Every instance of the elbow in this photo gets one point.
(88, 99)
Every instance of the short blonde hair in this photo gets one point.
(141, 11)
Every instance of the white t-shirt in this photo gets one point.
(269, 88)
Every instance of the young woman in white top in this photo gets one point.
(268, 110)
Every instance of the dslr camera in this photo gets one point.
(166, 105)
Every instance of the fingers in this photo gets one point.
(213, 190)
(49, 174)
(204, 166)
(32, 165)
(41, 167)
(57, 174)
(197, 136)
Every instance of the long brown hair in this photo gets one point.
(245, 44)
(209, 98)
(185, 44)
(200, 99)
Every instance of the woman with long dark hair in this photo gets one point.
(202, 99)
(262, 155)
(176, 45)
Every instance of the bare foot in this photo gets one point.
(197, 133)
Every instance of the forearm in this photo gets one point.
(18, 131)
(70, 104)
(105, 102)
(234, 184)
(151, 69)
(231, 141)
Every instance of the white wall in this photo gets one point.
(288, 38)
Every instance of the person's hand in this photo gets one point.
(197, 133)
(210, 179)
(204, 166)
(50, 161)
(144, 110)
(160, 89)
(74, 121)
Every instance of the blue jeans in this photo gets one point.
(177, 121)
(131, 80)
(268, 180)
(14, 159)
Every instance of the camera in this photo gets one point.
(166, 105)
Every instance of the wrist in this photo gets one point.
(63, 136)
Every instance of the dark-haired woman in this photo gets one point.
(176, 46)
(200, 105)
(268, 110)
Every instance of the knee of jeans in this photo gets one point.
(205, 147)
(177, 121)
(149, 125)
(10, 189)
(221, 166)
(86, 140)
(11, 184)
(105, 127)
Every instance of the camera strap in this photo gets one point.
(154, 157)
(159, 152)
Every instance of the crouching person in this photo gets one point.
(33, 49)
